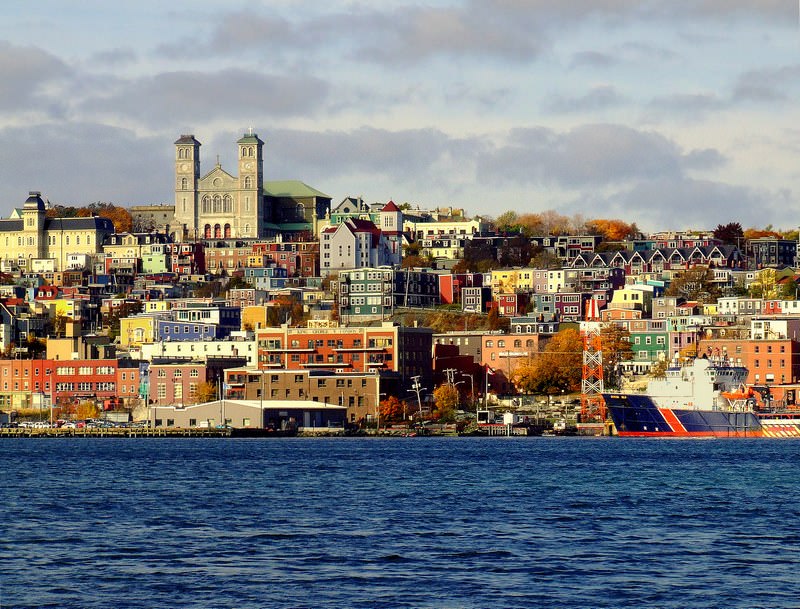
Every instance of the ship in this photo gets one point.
(702, 398)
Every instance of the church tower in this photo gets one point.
(251, 213)
(33, 221)
(187, 174)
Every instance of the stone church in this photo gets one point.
(219, 205)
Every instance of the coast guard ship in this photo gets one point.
(706, 398)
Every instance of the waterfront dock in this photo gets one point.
(114, 432)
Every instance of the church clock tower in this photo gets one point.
(251, 186)
(187, 175)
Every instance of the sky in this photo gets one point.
(673, 114)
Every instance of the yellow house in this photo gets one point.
(637, 297)
(254, 317)
(136, 330)
(511, 281)
(767, 280)
(156, 306)
(69, 307)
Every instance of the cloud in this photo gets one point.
(26, 73)
(767, 85)
(80, 163)
(598, 98)
(693, 106)
(587, 155)
(181, 98)
(681, 203)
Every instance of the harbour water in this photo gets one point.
(399, 523)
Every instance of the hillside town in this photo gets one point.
(265, 305)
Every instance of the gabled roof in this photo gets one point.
(390, 207)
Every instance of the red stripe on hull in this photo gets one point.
(672, 420)
(690, 434)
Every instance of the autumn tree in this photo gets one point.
(446, 399)
(611, 230)
(392, 409)
(658, 369)
(696, 284)
(206, 392)
(557, 369)
(86, 410)
(615, 341)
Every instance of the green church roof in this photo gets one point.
(292, 189)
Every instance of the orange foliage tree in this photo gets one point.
(612, 230)
(392, 409)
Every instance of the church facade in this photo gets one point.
(219, 205)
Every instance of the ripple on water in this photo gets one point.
(424, 523)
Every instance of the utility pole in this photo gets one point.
(416, 387)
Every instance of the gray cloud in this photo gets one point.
(598, 98)
(768, 85)
(587, 155)
(80, 163)
(692, 106)
(25, 72)
(180, 98)
(594, 59)
(685, 203)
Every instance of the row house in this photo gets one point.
(738, 306)
(373, 293)
(26, 383)
(567, 247)
(102, 381)
(245, 297)
(533, 324)
(451, 285)
(594, 279)
(185, 258)
(772, 251)
(267, 279)
(511, 305)
(451, 248)
(297, 258)
(227, 255)
(781, 307)
(660, 260)
(476, 299)
(403, 350)
(683, 239)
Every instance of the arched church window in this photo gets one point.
(228, 204)
(207, 231)
(180, 153)
(184, 183)
(217, 231)
(227, 231)
(248, 182)
(206, 205)
(217, 204)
